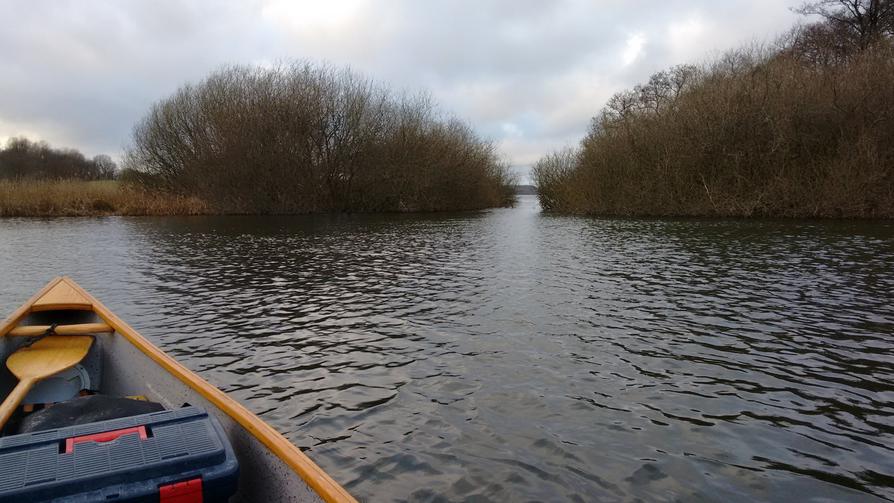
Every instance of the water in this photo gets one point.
(509, 355)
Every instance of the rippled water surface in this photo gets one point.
(509, 355)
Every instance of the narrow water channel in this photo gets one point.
(509, 355)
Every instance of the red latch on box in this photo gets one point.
(106, 436)
(189, 491)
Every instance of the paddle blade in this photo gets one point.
(48, 356)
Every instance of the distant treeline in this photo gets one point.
(23, 159)
(305, 138)
(803, 129)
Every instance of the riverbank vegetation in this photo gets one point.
(42, 181)
(52, 198)
(803, 129)
(304, 138)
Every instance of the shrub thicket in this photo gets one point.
(305, 138)
(805, 129)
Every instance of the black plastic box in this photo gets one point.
(173, 455)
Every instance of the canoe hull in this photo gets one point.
(271, 468)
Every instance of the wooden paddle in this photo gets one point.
(46, 357)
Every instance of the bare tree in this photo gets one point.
(104, 167)
(863, 22)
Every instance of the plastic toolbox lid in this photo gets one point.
(150, 451)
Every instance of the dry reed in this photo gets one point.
(51, 198)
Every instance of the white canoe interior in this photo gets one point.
(123, 363)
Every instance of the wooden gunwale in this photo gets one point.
(314, 476)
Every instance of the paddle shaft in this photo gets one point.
(14, 398)
(79, 329)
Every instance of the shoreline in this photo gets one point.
(109, 198)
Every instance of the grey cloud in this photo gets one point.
(528, 74)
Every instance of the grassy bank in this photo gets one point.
(50, 198)
(781, 133)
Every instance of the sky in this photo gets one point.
(527, 74)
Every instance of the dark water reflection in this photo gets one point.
(508, 355)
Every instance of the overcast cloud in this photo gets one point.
(528, 74)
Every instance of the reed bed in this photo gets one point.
(52, 198)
